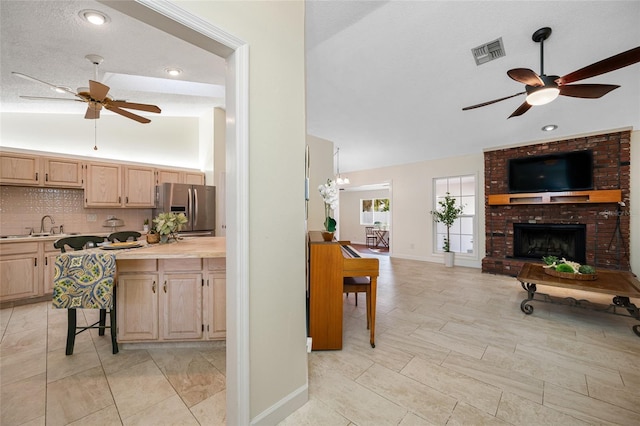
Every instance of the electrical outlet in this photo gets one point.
(309, 345)
(92, 217)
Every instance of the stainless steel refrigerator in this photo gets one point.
(197, 202)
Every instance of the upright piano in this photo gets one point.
(329, 263)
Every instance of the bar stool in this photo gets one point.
(123, 236)
(85, 280)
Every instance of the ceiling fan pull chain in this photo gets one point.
(95, 135)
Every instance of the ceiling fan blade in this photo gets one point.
(98, 91)
(526, 76)
(28, 77)
(521, 110)
(92, 112)
(589, 91)
(492, 102)
(612, 63)
(35, 98)
(128, 114)
(131, 105)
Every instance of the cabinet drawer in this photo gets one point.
(217, 264)
(18, 248)
(137, 265)
(170, 265)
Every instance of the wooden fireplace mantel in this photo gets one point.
(595, 196)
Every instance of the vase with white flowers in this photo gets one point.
(168, 225)
(329, 193)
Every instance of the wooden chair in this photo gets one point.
(363, 285)
(370, 236)
(123, 236)
(78, 291)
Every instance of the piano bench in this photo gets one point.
(358, 282)
(359, 285)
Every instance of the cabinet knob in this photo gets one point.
(153, 287)
(165, 286)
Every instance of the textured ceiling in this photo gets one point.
(49, 41)
(386, 80)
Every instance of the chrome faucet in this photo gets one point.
(42, 222)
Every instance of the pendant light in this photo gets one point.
(339, 179)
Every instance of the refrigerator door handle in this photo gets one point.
(189, 207)
(195, 205)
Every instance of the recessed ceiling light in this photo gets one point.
(94, 17)
(173, 72)
(549, 127)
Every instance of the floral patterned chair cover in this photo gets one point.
(86, 280)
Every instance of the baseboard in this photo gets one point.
(283, 408)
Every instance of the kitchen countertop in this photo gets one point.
(187, 247)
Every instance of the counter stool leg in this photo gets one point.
(103, 321)
(114, 341)
(71, 330)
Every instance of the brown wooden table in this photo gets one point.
(623, 285)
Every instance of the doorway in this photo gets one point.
(190, 28)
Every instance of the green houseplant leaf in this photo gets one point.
(447, 215)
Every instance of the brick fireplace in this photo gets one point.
(606, 222)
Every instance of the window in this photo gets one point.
(374, 211)
(462, 233)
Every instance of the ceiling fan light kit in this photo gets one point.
(542, 95)
(542, 89)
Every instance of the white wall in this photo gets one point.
(274, 32)
(411, 232)
(171, 141)
(320, 169)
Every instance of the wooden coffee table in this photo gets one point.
(623, 285)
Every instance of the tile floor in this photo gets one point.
(452, 347)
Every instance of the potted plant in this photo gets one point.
(447, 215)
(168, 225)
(329, 193)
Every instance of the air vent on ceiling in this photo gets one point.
(488, 51)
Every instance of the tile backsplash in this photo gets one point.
(23, 207)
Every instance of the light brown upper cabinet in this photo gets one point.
(103, 185)
(168, 176)
(139, 186)
(62, 172)
(194, 178)
(113, 185)
(19, 169)
(179, 176)
(34, 170)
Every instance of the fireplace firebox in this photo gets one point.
(533, 241)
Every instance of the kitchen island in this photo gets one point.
(172, 292)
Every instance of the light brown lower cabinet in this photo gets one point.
(165, 300)
(20, 271)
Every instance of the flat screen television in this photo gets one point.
(569, 171)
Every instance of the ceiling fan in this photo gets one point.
(96, 96)
(542, 89)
